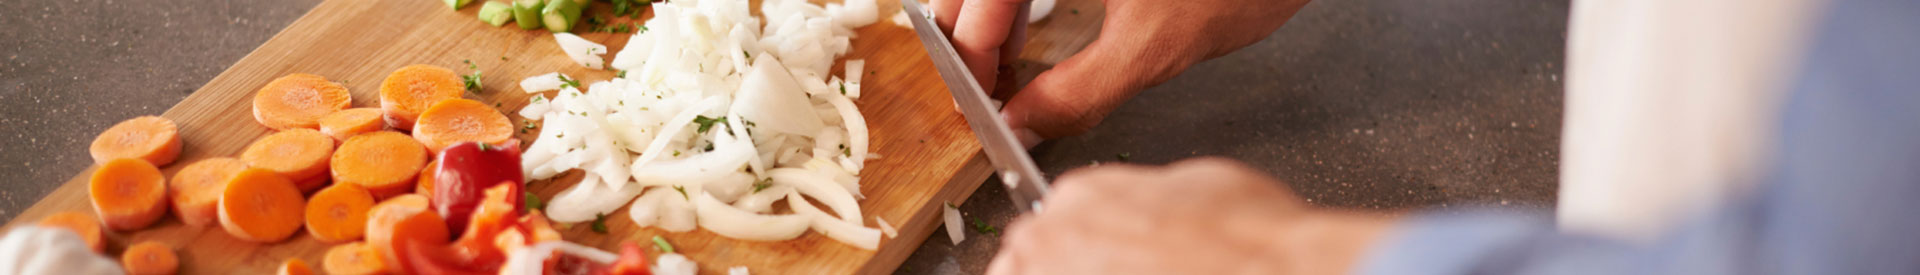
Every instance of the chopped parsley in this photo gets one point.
(846, 151)
(706, 123)
(621, 74)
(569, 82)
(683, 192)
(600, 223)
(533, 202)
(762, 185)
(1124, 156)
(984, 228)
(661, 244)
(472, 81)
(539, 99)
(843, 88)
(744, 52)
(676, 153)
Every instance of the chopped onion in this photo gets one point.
(856, 130)
(820, 188)
(954, 225)
(768, 97)
(585, 201)
(542, 83)
(731, 222)
(583, 52)
(737, 270)
(845, 232)
(674, 264)
(886, 228)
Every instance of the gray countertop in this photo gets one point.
(1367, 104)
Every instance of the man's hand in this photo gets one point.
(1203, 216)
(1142, 43)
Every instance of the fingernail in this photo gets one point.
(1028, 138)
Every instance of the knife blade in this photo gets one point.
(1025, 184)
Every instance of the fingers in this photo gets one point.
(980, 32)
(945, 12)
(1079, 92)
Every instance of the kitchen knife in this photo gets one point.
(1025, 184)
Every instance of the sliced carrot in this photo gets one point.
(338, 213)
(404, 218)
(386, 162)
(298, 101)
(195, 190)
(261, 206)
(80, 223)
(356, 258)
(409, 91)
(347, 123)
(149, 258)
(295, 266)
(461, 120)
(128, 194)
(299, 155)
(424, 185)
(150, 138)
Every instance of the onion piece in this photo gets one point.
(583, 52)
(542, 83)
(737, 270)
(845, 232)
(532, 259)
(820, 188)
(886, 228)
(725, 220)
(588, 199)
(645, 211)
(535, 109)
(856, 130)
(769, 97)
(674, 264)
(954, 224)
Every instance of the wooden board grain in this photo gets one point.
(930, 158)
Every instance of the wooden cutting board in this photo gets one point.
(929, 156)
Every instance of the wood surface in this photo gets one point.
(929, 156)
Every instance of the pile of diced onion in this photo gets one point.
(714, 120)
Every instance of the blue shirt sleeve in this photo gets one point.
(1843, 197)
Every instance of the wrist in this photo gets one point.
(1328, 241)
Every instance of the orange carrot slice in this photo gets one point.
(338, 213)
(150, 138)
(298, 101)
(80, 223)
(195, 190)
(424, 185)
(149, 258)
(295, 266)
(403, 218)
(261, 206)
(347, 123)
(299, 155)
(461, 120)
(386, 163)
(409, 91)
(356, 258)
(128, 194)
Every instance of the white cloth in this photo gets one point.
(41, 250)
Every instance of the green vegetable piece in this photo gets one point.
(496, 13)
(560, 15)
(661, 244)
(600, 223)
(456, 4)
(527, 13)
(533, 202)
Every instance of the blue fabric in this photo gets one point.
(1843, 198)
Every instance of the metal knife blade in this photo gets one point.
(1025, 184)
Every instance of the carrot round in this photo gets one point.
(386, 162)
(424, 184)
(299, 155)
(338, 213)
(298, 101)
(149, 258)
(409, 91)
(347, 123)
(461, 120)
(295, 266)
(261, 206)
(195, 190)
(79, 223)
(356, 258)
(150, 138)
(128, 194)
(403, 218)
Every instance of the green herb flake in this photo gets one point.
(530, 125)
(1076, 11)
(569, 82)
(676, 153)
(485, 147)
(600, 223)
(661, 244)
(683, 192)
(706, 123)
(846, 151)
(621, 74)
(533, 202)
(472, 81)
(843, 88)
(762, 185)
(1124, 156)
(744, 52)
(983, 228)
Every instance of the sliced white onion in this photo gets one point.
(587, 199)
(734, 223)
(769, 97)
(954, 224)
(1039, 10)
(583, 52)
(737, 270)
(674, 264)
(645, 211)
(535, 109)
(856, 130)
(843, 231)
(762, 201)
(820, 188)
(886, 228)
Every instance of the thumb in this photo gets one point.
(1077, 94)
